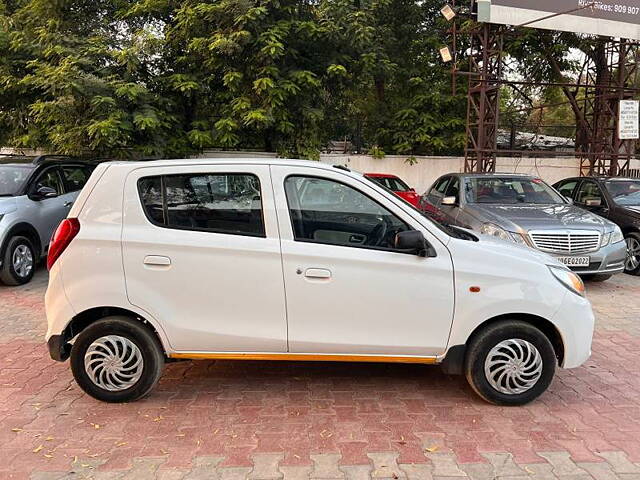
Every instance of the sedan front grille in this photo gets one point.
(566, 242)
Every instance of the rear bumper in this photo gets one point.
(59, 348)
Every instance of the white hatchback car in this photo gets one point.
(292, 260)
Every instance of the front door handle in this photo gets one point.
(321, 273)
(157, 260)
(68, 204)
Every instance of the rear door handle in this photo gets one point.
(68, 204)
(317, 273)
(157, 260)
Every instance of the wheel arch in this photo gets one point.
(23, 229)
(82, 320)
(453, 362)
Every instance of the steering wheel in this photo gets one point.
(378, 233)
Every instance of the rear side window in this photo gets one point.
(219, 203)
(75, 177)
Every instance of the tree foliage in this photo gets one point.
(171, 77)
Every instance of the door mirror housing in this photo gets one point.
(449, 201)
(413, 241)
(42, 193)
(593, 202)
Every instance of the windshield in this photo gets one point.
(12, 178)
(510, 190)
(625, 192)
(391, 183)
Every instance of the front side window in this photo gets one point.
(51, 179)
(440, 187)
(567, 188)
(453, 190)
(624, 192)
(510, 190)
(392, 183)
(330, 212)
(219, 203)
(589, 194)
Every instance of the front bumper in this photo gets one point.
(575, 322)
(608, 260)
(59, 348)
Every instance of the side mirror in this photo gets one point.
(569, 200)
(412, 189)
(413, 241)
(449, 201)
(593, 202)
(43, 192)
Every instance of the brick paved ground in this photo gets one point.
(294, 420)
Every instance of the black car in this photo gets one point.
(615, 198)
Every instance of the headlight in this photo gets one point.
(495, 231)
(606, 238)
(616, 235)
(569, 279)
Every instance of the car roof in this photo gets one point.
(489, 175)
(380, 175)
(27, 161)
(602, 178)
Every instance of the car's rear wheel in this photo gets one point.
(510, 362)
(117, 359)
(632, 264)
(19, 262)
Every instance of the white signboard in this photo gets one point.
(629, 119)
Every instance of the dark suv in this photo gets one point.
(615, 198)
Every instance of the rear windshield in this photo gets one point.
(392, 183)
(12, 178)
(510, 190)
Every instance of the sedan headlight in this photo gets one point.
(616, 235)
(569, 279)
(495, 231)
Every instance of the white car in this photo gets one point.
(291, 260)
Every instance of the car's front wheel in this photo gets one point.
(19, 262)
(117, 359)
(510, 363)
(632, 264)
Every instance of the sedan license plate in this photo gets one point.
(575, 261)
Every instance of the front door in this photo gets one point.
(202, 256)
(348, 291)
(47, 213)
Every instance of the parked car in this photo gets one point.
(396, 185)
(617, 199)
(525, 210)
(293, 260)
(35, 195)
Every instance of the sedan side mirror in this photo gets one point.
(43, 192)
(449, 201)
(413, 241)
(593, 202)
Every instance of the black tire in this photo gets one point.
(635, 236)
(481, 345)
(8, 274)
(136, 332)
(596, 278)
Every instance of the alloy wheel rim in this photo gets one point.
(113, 363)
(633, 254)
(22, 261)
(513, 366)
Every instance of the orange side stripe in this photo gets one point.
(301, 357)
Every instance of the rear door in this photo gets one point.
(348, 291)
(202, 256)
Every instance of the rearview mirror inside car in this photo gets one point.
(413, 241)
(449, 201)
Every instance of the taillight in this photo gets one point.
(66, 231)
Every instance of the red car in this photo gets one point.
(396, 185)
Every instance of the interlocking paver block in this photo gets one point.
(325, 466)
(503, 464)
(444, 465)
(417, 471)
(234, 473)
(265, 466)
(295, 472)
(204, 468)
(619, 462)
(562, 464)
(357, 472)
(385, 465)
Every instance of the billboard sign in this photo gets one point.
(629, 120)
(619, 18)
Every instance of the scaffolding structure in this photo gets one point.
(608, 77)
